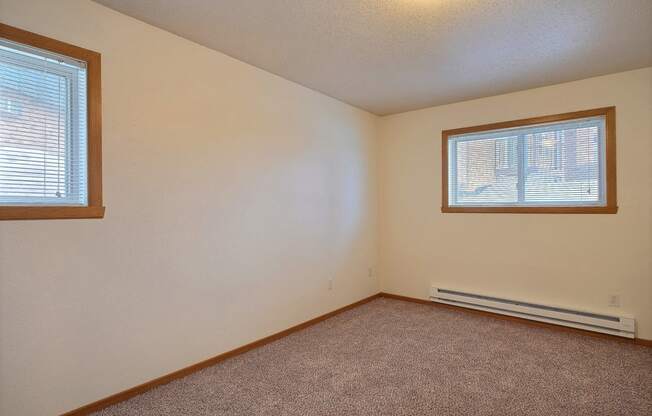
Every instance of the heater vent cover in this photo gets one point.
(607, 324)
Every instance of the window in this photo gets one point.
(558, 164)
(50, 128)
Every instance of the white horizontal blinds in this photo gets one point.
(564, 166)
(555, 164)
(43, 150)
(485, 171)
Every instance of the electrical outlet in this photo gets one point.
(330, 284)
(614, 300)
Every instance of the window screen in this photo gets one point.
(43, 138)
(554, 164)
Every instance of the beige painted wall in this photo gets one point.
(232, 196)
(567, 260)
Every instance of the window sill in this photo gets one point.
(50, 213)
(531, 210)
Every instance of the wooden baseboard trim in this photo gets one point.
(643, 342)
(142, 388)
(636, 341)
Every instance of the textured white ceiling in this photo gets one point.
(389, 56)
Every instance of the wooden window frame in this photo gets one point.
(95, 208)
(611, 206)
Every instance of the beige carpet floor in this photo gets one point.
(390, 357)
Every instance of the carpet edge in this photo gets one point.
(167, 378)
(635, 341)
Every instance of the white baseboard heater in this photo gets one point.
(606, 324)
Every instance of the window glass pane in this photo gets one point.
(555, 164)
(486, 171)
(563, 166)
(42, 128)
